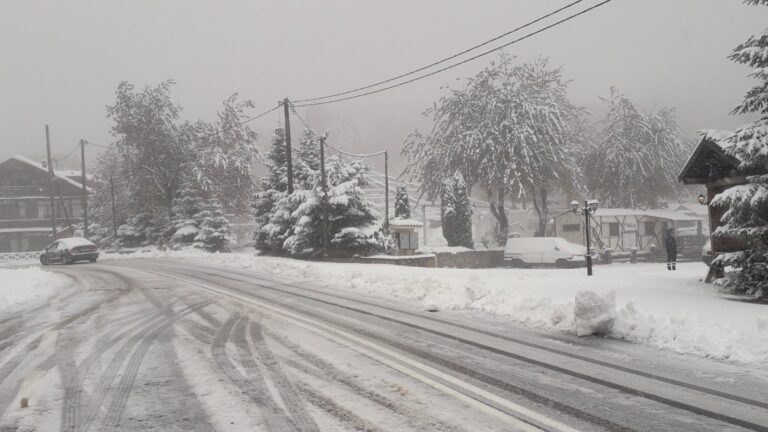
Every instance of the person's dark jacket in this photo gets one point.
(669, 242)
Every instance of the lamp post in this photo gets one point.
(590, 207)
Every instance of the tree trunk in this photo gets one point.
(543, 216)
(500, 214)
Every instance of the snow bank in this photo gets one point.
(27, 285)
(674, 311)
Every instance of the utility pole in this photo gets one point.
(50, 182)
(325, 194)
(114, 212)
(386, 190)
(85, 189)
(588, 257)
(289, 161)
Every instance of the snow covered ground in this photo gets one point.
(674, 311)
(20, 286)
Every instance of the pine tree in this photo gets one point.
(270, 232)
(402, 205)
(186, 207)
(746, 218)
(456, 212)
(214, 234)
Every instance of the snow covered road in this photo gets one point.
(162, 344)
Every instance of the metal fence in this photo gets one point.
(14, 258)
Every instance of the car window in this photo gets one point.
(52, 246)
(62, 245)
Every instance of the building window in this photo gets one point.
(571, 228)
(613, 229)
(650, 227)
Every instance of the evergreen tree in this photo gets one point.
(214, 234)
(270, 231)
(456, 212)
(186, 207)
(402, 205)
(746, 218)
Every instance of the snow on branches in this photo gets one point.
(293, 224)
(637, 156)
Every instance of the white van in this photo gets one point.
(524, 251)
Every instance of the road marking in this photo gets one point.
(401, 363)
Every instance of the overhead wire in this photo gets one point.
(453, 65)
(451, 57)
(357, 155)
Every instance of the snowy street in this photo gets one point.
(168, 344)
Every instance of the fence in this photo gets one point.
(13, 258)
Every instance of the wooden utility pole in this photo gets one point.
(288, 158)
(51, 180)
(386, 190)
(85, 189)
(325, 194)
(114, 211)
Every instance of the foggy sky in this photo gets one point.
(61, 61)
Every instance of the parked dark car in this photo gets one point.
(69, 250)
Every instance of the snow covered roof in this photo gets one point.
(659, 214)
(58, 174)
(709, 160)
(397, 222)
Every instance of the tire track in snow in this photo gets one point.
(293, 402)
(119, 401)
(320, 369)
(253, 386)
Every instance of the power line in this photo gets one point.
(451, 66)
(357, 155)
(528, 24)
(68, 154)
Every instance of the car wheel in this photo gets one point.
(68, 259)
(561, 263)
(43, 260)
(93, 260)
(516, 263)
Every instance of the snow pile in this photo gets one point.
(25, 285)
(594, 313)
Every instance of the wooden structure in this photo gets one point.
(625, 229)
(711, 166)
(25, 208)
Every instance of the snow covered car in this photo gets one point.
(524, 251)
(69, 250)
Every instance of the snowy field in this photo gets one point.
(669, 310)
(22, 286)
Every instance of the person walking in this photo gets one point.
(671, 244)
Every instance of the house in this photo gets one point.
(625, 229)
(25, 205)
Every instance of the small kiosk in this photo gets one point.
(406, 235)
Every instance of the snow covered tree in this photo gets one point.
(456, 212)
(635, 161)
(746, 217)
(155, 153)
(214, 234)
(185, 219)
(270, 232)
(505, 131)
(402, 205)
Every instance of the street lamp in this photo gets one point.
(590, 207)
(702, 199)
